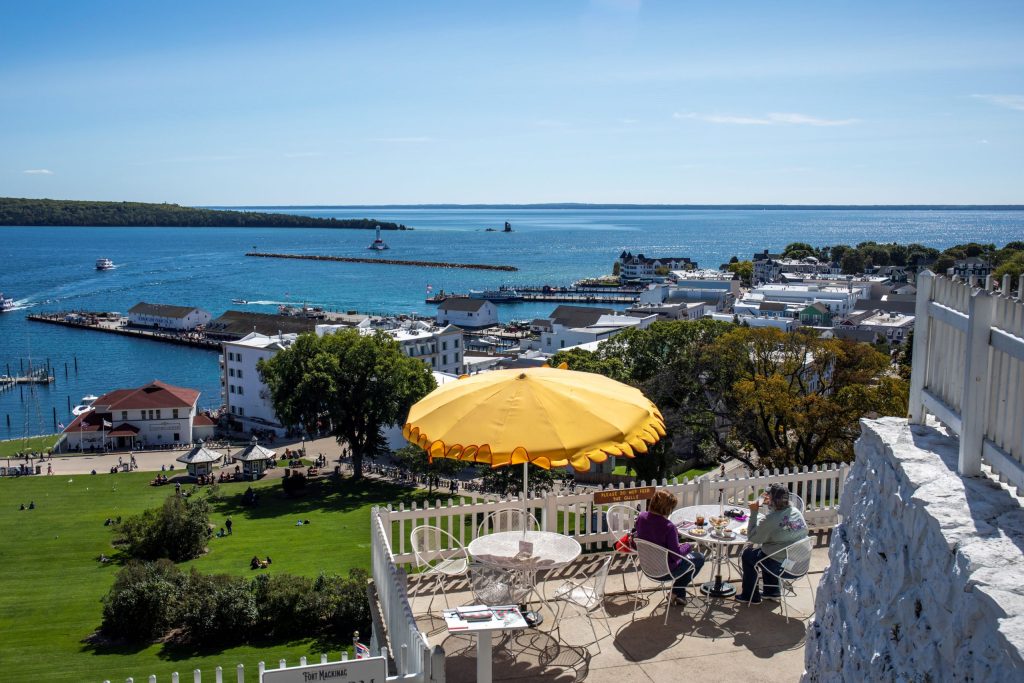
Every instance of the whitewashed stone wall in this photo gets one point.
(926, 575)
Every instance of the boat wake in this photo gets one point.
(22, 304)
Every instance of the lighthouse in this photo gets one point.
(378, 244)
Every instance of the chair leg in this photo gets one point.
(668, 601)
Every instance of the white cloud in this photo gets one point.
(38, 171)
(772, 119)
(1008, 101)
(983, 142)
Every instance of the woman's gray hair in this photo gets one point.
(779, 496)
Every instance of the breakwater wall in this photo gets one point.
(390, 262)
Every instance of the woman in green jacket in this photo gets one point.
(783, 526)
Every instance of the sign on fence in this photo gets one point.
(623, 495)
(371, 670)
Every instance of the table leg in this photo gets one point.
(483, 656)
(718, 588)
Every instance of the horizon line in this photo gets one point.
(578, 205)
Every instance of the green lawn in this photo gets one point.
(52, 581)
(35, 444)
(688, 474)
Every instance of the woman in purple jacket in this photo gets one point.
(654, 526)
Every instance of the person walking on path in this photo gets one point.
(228, 525)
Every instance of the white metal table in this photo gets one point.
(684, 517)
(504, 618)
(546, 550)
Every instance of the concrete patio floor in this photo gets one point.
(711, 638)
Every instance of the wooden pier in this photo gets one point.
(119, 326)
(34, 376)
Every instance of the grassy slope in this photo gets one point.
(34, 444)
(52, 582)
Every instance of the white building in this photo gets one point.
(670, 311)
(465, 312)
(893, 326)
(156, 414)
(248, 399)
(770, 268)
(784, 324)
(574, 325)
(715, 289)
(789, 300)
(639, 268)
(167, 317)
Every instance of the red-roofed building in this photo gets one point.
(156, 414)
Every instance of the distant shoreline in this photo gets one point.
(703, 207)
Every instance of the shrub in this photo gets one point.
(351, 605)
(279, 599)
(142, 604)
(177, 531)
(217, 608)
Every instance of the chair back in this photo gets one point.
(491, 586)
(798, 558)
(431, 544)
(797, 502)
(508, 520)
(620, 520)
(653, 559)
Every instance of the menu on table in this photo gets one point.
(484, 618)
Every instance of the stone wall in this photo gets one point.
(926, 575)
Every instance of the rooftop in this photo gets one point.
(161, 310)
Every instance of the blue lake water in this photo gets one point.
(49, 269)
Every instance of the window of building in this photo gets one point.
(231, 355)
(563, 344)
(238, 373)
(151, 415)
(174, 413)
(158, 414)
(456, 357)
(231, 372)
(456, 343)
(142, 414)
(444, 359)
(239, 388)
(241, 411)
(433, 361)
(124, 416)
(444, 346)
(232, 388)
(177, 436)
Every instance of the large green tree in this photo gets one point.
(348, 384)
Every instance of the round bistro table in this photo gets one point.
(717, 588)
(549, 551)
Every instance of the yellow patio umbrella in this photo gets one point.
(550, 417)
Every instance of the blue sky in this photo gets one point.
(425, 102)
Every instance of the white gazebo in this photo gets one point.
(200, 460)
(254, 459)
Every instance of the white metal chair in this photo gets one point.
(440, 555)
(796, 564)
(494, 586)
(507, 520)
(621, 520)
(797, 502)
(586, 595)
(654, 563)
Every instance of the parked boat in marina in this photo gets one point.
(85, 406)
(501, 294)
(104, 264)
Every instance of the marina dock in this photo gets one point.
(102, 323)
(34, 376)
(384, 261)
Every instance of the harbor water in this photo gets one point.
(51, 269)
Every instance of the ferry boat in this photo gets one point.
(104, 264)
(501, 294)
(85, 406)
(6, 303)
(443, 296)
(378, 244)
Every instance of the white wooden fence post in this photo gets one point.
(218, 675)
(919, 366)
(262, 668)
(323, 658)
(241, 674)
(152, 678)
(197, 676)
(174, 677)
(974, 404)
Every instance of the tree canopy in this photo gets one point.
(38, 212)
(766, 397)
(347, 384)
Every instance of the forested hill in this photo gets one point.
(14, 211)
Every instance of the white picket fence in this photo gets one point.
(219, 673)
(968, 370)
(408, 645)
(578, 516)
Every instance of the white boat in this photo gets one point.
(104, 264)
(85, 406)
(6, 303)
(500, 294)
(378, 244)
(239, 301)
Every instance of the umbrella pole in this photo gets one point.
(525, 489)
